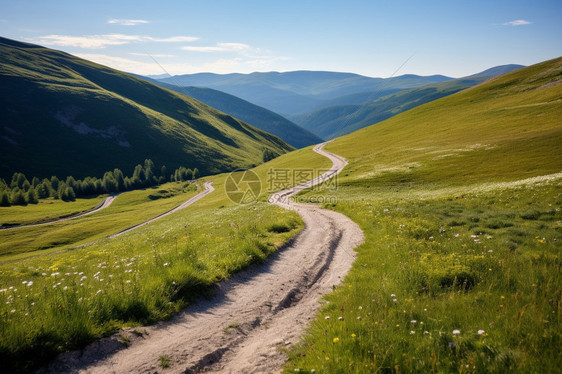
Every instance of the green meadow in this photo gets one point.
(460, 201)
(64, 297)
(129, 209)
(46, 210)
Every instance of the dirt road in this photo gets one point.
(104, 204)
(254, 313)
(208, 188)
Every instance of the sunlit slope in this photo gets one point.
(64, 115)
(507, 128)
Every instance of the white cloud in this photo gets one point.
(90, 41)
(102, 41)
(148, 66)
(122, 63)
(517, 22)
(219, 47)
(127, 22)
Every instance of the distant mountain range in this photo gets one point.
(337, 120)
(297, 92)
(343, 102)
(255, 115)
(507, 128)
(62, 115)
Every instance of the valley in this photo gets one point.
(297, 220)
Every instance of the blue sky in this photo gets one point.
(373, 38)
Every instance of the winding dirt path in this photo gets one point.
(254, 313)
(104, 204)
(208, 188)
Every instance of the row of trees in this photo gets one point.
(21, 191)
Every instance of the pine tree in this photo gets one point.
(118, 175)
(71, 182)
(61, 191)
(18, 180)
(18, 197)
(128, 184)
(4, 198)
(88, 186)
(70, 195)
(47, 183)
(55, 183)
(138, 173)
(148, 177)
(109, 183)
(42, 190)
(31, 196)
(188, 174)
(195, 173)
(99, 185)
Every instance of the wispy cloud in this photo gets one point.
(517, 22)
(102, 41)
(127, 22)
(219, 47)
(121, 63)
(90, 41)
(146, 66)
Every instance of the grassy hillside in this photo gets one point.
(506, 128)
(460, 202)
(295, 92)
(144, 276)
(338, 120)
(252, 114)
(63, 115)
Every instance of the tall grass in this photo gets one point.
(465, 282)
(66, 298)
(60, 302)
(460, 270)
(128, 209)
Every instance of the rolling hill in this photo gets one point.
(252, 114)
(337, 120)
(460, 203)
(296, 92)
(508, 127)
(62, 115)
